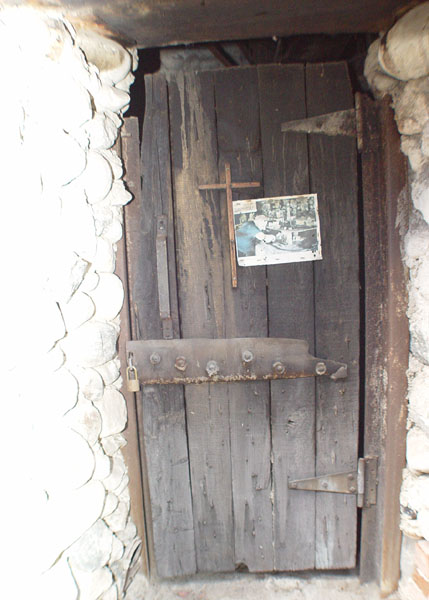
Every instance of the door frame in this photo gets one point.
(385, 201)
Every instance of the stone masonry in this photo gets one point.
(66, 527)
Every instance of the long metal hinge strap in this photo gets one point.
(361, 483)
(341, 122)
(162, 272)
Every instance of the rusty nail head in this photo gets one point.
(350, 476)
(352, 489)
(180, 363)
(247, 356)
(155, 358)
(325, 485)
(293, 485)
(212, 368)
(279, 368)
(320, 368)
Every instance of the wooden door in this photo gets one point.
(219, 456)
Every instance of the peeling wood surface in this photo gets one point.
(159, 23)
(386, 205)
(333, 175)
(246, 440)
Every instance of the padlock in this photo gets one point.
(133, 383)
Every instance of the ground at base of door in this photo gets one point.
(257, 587)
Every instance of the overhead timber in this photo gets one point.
(152, 23)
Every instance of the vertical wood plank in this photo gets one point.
(245, 315)
(333, 175)
(162, 408)
(130, 153)
(200, 262)
(291, 314)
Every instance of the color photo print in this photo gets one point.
(269, 231)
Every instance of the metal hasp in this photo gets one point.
(362, 483)
(342, 122)
(162, 272)
(228, 360)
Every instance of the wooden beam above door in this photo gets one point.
(155, 23)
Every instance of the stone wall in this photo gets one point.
(398, 64)
(66, 529)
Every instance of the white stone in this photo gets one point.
(97, 178)
(109, 371)
(113, 443)
(90, 281)
(119, 195)
(90, 383)
(119, 471)
(113, 231)
(66, 518)
(418, 396)
(103, 215)
(77, 220)
(126, 83)
(118, 519)
(53, 360)
(108, 296)
(379, 81)
(425, 140)
(113, 411)
(412, 107)
(49, 326)
(103, 463)
(416, 243)
(112, 60)
(66, 273)
(110, 504)
(60, 392)
(115, 162)
(62, 459)
(411, 147)
(420, 279)
(102, 132)
(58, 579)
(117, 550)
(92, 551)
(418, 451)
(111, 98)
(405, 51)
(105, 259)
(85, 419)
(110, 594)
(128, 534)
(122, 489)
(92, 584)
(90, 345)
(78, 310)
(420, 192)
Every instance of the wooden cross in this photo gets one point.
(229, 186)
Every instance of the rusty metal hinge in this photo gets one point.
(162, 273)
(361, 483)
(341, 122)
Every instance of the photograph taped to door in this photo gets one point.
(283, 229)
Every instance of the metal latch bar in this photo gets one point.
(361, 483)
(202, 360)
(162, 273)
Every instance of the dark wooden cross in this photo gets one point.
(229, 186)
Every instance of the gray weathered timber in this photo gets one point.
(162, 409)
(238, 130)
(291, 312)
(201, 263)
(337, 306)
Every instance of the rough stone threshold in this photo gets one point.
(257, 587)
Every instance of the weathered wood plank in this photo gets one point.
(291, 313)
(245, 315)
(201, 273)
(130, 154)
(333, 175)
(162, 408)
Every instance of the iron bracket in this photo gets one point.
(227, 360)
(361, 483)
(162, 273)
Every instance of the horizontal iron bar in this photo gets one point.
(341, 122)
(227, 360)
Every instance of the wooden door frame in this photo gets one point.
(385, 204)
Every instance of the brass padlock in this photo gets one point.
(133, 383)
